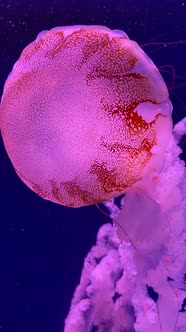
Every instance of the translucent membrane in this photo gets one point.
(84, 115)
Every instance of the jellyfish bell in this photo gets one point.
(85, 114)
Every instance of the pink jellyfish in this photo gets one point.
(85, 116)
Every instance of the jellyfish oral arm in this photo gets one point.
(136, 282)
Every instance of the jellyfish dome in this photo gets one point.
(84, 115)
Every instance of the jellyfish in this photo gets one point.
(85, 117)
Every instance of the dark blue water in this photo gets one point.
(42, 245)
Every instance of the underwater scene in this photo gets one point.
(92, 166)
